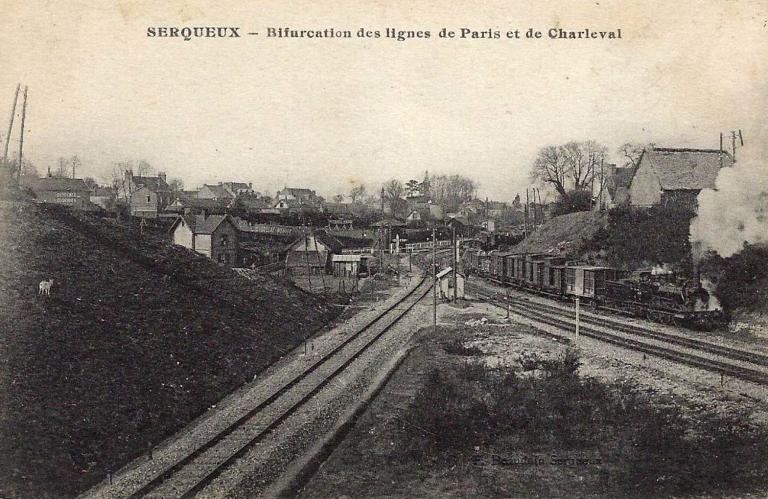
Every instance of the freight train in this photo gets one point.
(657, 294)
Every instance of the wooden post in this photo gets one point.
(10, 125)
(577, 318)
(21, 136)
(455, 270)
(526, 212)
(434, 280)
(322, 267)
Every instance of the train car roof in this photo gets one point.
(588, 267)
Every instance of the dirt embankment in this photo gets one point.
(137, 338)
(564, 235)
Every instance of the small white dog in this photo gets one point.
(45, 287)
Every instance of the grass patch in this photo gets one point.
(640, 445)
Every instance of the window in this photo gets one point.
(224, 239)
(149, 199)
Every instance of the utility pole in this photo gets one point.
(455, 269)
(10, 125)
(21, 136)
(381, 234)
(526, 212)
(434, 280)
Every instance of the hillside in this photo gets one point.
(566, 235)
(137, 338)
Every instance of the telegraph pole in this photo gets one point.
(434, 280)
(21, 136)
(455, 269)
(10, 125)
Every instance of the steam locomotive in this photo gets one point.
(657, 294)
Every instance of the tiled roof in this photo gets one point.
(155, 184)
(686, 169)
(208, 225)
(60, 184)
(219, 191)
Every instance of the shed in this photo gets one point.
(346, 265)
(445, 283)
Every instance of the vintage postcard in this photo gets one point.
(382, 248)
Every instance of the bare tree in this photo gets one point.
(568, 167)
(450, 191)
(583, 160)
(393, 196)
(632, 153)
(551, 167)
(62, 170)
(338, 198)
(176, 185)
(357, 193)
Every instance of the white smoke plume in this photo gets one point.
(737, 211)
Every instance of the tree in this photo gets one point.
(450, 191)
(568, 168)
(632, 153)
(412, 186)
(62, 170)
(576, 200)
(90, 182)
(338, 198)
(357, 193)
(393, 196)
(516, 204)
(176, 185)
(75, 163)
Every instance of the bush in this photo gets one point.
(580, 200)
(654, 447)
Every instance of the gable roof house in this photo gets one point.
(215, 192)
(216, 237)
(667, 176)
(149, 195)
(311, 253)
(61, 190)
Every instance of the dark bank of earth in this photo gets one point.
(137, 338)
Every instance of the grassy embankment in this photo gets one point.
(447, 424)
(137, 338)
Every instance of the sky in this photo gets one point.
(331, 113)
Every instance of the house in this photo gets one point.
(489, 224)
(311, 254)
(667, 176)
(304, 196)
(196, 206)
(61, 190)
(616, 190)
(215, 236)
(148, 195)
(416, 216)
(215, 192)
(238, 189)
(445, 283)
(293, 206)
(346, 265)
(104, 197)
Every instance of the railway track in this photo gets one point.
(555, 317)
(192, 471)
(731, 353)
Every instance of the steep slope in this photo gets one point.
(566, 235)
(137, 338)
